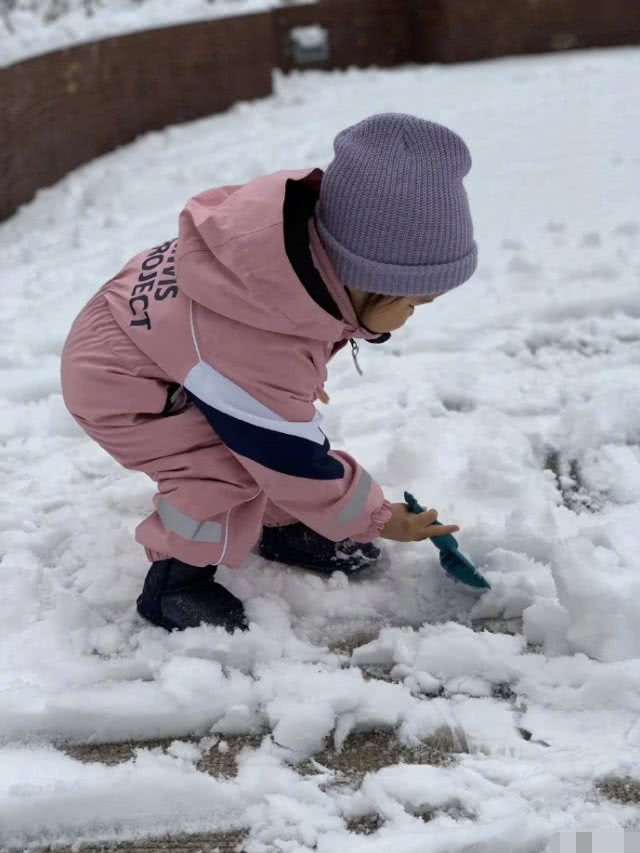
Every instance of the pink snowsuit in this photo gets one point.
(199, 364)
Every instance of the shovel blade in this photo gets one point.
(460, 569)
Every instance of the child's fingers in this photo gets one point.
(424, 519)
(438, 530)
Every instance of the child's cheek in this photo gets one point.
(402, 317)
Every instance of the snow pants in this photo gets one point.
(208, 509)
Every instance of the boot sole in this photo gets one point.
(159, 623)
(171, 626)
(324, 570)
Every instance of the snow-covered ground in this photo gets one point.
(32, 27)
(512, 404)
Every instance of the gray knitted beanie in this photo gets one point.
(393, 215)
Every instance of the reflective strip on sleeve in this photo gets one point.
(357, 501)
(188, 528)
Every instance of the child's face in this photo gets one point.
(386, 313)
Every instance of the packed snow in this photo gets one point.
(32, 27)
(512, 405)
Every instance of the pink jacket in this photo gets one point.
(244, 311)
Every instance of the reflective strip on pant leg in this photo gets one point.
(188, 528)
(358, 499)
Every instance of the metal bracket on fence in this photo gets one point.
(309, 45)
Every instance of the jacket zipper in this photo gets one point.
(355, 349)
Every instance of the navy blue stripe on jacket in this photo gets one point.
(279, 451)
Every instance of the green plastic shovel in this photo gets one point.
(452, 561)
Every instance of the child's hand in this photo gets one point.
(323, 396)
(405, 526)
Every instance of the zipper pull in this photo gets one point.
(355, 349)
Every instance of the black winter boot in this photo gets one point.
(177, 596)
(298, 545)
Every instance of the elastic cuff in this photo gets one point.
(378, 520)
(153, 556)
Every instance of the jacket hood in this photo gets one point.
(252, 253)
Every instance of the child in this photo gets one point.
(200, 362)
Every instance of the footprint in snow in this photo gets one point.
(521, 266)
(627, 229)
(591, 240)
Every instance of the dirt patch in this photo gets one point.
(363, 752)
(574, 493)
(366, 825)
(498, 625)
(624, 790)
(207, 842)
(218, 761)
(367, 752)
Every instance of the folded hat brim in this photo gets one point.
(393, 279)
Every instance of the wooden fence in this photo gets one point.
(66, 107)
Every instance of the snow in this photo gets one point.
(31, 27)
(599, 595)
(511, 405)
